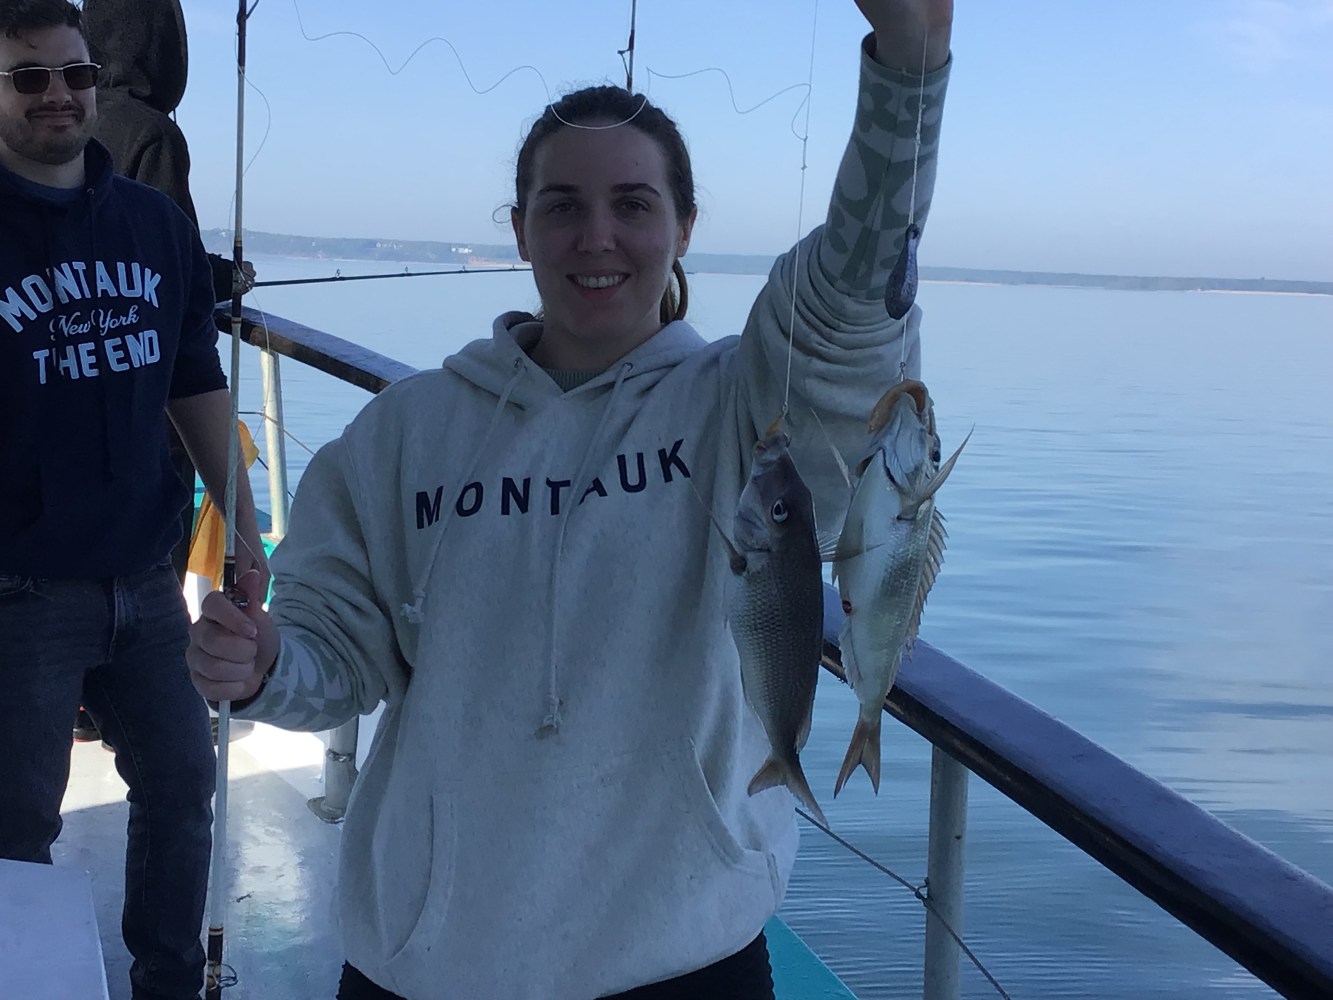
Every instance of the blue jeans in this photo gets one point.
(118, 648)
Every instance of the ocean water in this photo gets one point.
(1140, 544)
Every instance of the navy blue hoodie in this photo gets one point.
(106, 308)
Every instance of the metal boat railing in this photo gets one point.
(1273, 918)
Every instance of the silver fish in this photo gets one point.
(888, 555)
(776, 613)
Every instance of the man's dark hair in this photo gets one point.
(19, 16)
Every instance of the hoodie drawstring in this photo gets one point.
(414, 612)
(551, 721)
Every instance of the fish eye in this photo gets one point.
(779, 511)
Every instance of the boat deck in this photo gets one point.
(279, 938)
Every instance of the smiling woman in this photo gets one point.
(605, 207)
(510, 552)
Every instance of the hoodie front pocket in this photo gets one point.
(439, 879)
(606, 871)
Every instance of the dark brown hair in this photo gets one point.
(605, 104)
(18, 16)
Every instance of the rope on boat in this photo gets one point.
(919, 891)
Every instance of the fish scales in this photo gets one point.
(776, 614)
(777, 646)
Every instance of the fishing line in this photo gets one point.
(268, 128)
(550, 103)
(916, 159)
(731, 92)
(800, 213)
(919, 891)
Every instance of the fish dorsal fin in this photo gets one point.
(837, 455)
(931, 569)
(828, 544)
(910, 505)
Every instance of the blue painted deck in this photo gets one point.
(798, 974)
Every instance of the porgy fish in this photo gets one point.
(888, 555)
(776, 612)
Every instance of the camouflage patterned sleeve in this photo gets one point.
(822, 311)
(873, 195)
(338, 656)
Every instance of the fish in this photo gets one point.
(900, 291)
(776, 612)
(887, 557)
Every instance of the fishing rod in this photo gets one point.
(381, 277)
(629, 47)
(213, 979)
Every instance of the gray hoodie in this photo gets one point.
(555, 802)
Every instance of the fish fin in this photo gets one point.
(778, 772)
(837, 455)
(910, 507)
(828, 544)
(803, 733)
(931, 569)
(734, 556)
(847, 653)
(863, 751)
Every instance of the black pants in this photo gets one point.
(746, 975)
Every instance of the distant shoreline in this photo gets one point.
(490, 257)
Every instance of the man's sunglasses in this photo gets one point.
(36, 79)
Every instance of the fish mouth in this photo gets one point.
(916, 389)
(750, 531)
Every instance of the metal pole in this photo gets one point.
(339, 773)
(944, 875)
(213, 976)
(276, 443)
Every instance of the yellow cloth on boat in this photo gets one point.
(208, 544)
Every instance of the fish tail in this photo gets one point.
(777, 771)
(863, 751)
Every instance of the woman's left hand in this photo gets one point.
(905, 29)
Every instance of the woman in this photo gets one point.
(510, 554)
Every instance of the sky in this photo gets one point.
(1169, 137)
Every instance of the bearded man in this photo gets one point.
(106, 335)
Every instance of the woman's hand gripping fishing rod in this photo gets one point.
(904, 28)
(233, 647)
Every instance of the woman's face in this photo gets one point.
(601, 232)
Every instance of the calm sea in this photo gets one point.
(1140, 543)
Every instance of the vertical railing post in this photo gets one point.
(340, 756)
(275, 443)
(944, 875)
(339, 772)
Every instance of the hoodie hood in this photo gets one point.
(141, 47)
(492, 364)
